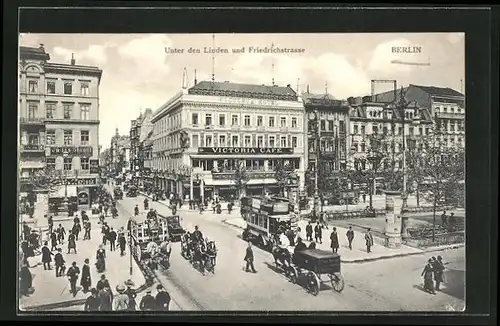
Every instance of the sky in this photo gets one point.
(139, 74)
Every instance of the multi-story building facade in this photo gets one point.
(119, 153)
(139, 131)
(328, 126)
(59, 110)
(214, 128)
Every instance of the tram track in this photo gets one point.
(180, 295)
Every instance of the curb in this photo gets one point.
(366, 260)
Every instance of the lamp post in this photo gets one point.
(199, 178)
(65, 200)
(130, 245)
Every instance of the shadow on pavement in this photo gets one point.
(454, 284)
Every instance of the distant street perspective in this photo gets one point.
(239, 195)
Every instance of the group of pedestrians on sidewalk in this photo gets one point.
(433, 272)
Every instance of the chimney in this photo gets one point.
(72, 59)
(41, 47)
(195, 80)
(308, 88)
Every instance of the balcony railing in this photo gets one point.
(229, 175)
(33, 148)
(449, 115)
(32, 120)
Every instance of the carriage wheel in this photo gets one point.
(294, 274)
(337, 282)
(341, 202)
(355, 200)
(313, 283)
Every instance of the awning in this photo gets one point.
(59, 192)
(32, 165)
(212, 182)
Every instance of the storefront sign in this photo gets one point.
(80, 182)
(244, 150)
(245, 101)
(72, 150)
(94, 166)
(251, 175)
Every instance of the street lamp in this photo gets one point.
(65, 200)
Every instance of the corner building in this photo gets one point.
(59, 110)
(208, 130)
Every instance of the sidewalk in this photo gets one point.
(358, 253)
(54, 291)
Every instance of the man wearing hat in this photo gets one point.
(427, 274)
(72, 274)
(438, 272)
(162, 298)
(148, 302)
(102, 283)
(131, 295)
(86, 281)
(92, 303)
(121, 301)
(59, 262)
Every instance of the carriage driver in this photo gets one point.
(197, 235)
(300, 245)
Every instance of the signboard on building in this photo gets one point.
(83, 198)
(80, 181)
(244, 150)
(71, 150)
(94, 166)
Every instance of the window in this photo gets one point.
(33, 139)
(68, 88)
(84, 111)
(356, 129)
(195, 140)
(32, 108)
(208, 119)
(411, 130)
(362, 147)
(222, 140)
(294, 122)
(271, 141)
(67, 163)
(375, 129)
(68, 108)
(234, 120)
(68, 137)
(50, 137)
(283, 141)
(271, 121)
(363, 130)
(330, 125)
(84, 137)
(294, 142)
(222, 120)
(427, 130)
(194, 119)
(50, 110)
(248, 141)
(51, 87)
(400, 130)
(84, 89)
(260, 141)
(445, 110)
(323, 125)
(235, 141)
(33, 86)
(259, 121)
(51, 163)
(283, 122)
(342, 126)
(85, 163)
(421, 131)
(247, 121)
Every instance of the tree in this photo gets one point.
(240, 178)
(282, 174)
(46, 180)
(443, 168)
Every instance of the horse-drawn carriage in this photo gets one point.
(201, 253)
(308, 266)
(150, 240)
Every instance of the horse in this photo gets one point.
(197, 260)
(211, 254)
(282, 258)
(186, 244)
(165, 250)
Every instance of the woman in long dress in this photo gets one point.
(427, 274)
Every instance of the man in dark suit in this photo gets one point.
(112, 240)
(72, 274)
(59, 261)
(249, 259)
(350, 236)
(309, 232)
(318, 233)
(46, 256)
(86, 281)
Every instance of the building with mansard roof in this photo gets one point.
(204, 133)
(59, 124)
